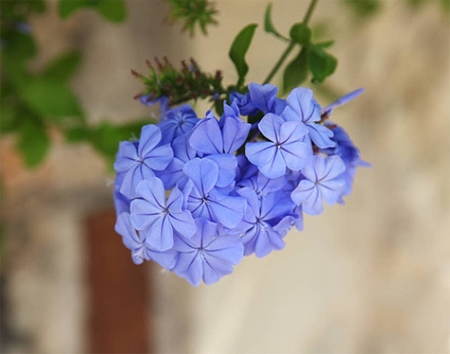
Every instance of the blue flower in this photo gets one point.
(176, 122)
(156, 218)
(349, 153)
(140, 251)
(266, 221)
(286, 147)
(302, 106)
(173, 174)
(206, 200)
(139, 161)
(207, 255)
(163, 101)
(218, 141)
(341, 101)
(322, 180)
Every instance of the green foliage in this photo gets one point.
(105, 137)
(268, 25)
(364, 8)
(321, 63)
(33, 141)
(51, 99)
(112, 10)
(180, 86)
(63, 67)
(238, 50)
(193, 12)
(301, 34)
(296, 71)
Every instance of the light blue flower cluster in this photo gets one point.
(196, 195)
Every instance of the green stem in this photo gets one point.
(291, 46)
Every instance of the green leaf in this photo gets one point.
(239, 48)
(105, 137)
(296, 71)
(321, 63)
(63, 67)
(18, 46)
(268, 25)
(325, 44)
(33, 141)
(9, 118)
(113, 10)
(67, 7)
(365, 8)
(301, 34)
(51, 99)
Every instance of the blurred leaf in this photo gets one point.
(51, 99)
(38, 6)
(364, 8)
(446, 4)
(268, 25)
(105, 137)
(321, 63)
(63, 67)
(67, 7)
(325, 44)
(33, 141)
(301, 34)
(113, 10)
(296, 71)
(239, 48)
(8, 115)
(18, 46)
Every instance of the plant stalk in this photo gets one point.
(291, 45)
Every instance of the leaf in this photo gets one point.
(18, 46)
(67, 7)
(105, 137)
(321, 63)
(63, 67)
(113, 10)
(296, 71)
(33, 142)
(268, 25)
(52, 99)
(325, 44)
(239, 48)
(8, 119)
(301, 34)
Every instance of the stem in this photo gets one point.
(311, 7)
(291, 46)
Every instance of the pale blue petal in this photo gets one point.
(207, 137)
(183, 223)
(160, 235)
(321, 136)
(270, 126)
(235, 132)
(203, 172)
(150, 137)
(276, 167)
(260, 153)
(159, 158)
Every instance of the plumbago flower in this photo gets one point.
(196, 194)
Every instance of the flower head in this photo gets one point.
(207, 256)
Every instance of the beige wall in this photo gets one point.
(372, 276)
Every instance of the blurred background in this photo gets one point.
(372, 276)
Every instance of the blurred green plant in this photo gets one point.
(367, 8)
(193, 13)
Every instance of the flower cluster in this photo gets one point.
(196, 195)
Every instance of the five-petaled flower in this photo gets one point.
(196, 195)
